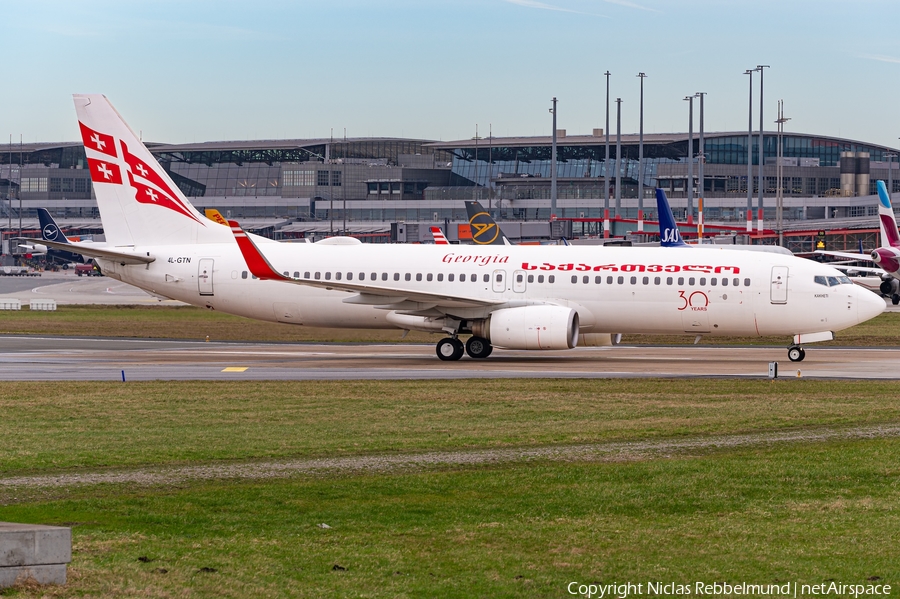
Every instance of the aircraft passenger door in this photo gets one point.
(205, 276)
(519, 281)
(498, 278)
(779, 286)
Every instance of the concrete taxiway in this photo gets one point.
(45, 358)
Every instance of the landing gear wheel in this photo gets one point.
(895, 299)
(449, 349)
(478, 347)
(796, 353)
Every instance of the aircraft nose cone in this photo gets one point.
(868, 304)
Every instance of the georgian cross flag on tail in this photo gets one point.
(104, 172)
(150, 187)
(95, 140)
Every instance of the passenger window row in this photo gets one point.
(598, 279)
(691, 281)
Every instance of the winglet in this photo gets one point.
(256, 262)
(889, 235)
(669, 235)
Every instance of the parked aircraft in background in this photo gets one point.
(515, 297)
(50, 231)
(439, 237)
(215, 216)
(484, 230)
(669, 235)
(886, 256)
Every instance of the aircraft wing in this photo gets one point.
(95, 251)
(369, 294)
(873, 269)
(866, 257)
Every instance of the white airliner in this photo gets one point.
(515, 297)
(887, 255)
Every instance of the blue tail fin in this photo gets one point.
(669, 235)
(49, 229)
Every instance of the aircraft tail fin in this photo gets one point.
(439, 237)
(139, 203)
(485, 231)
(889, 235)
(49, 229)
(669, 235)
(216, 216)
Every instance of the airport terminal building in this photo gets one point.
(316, 187)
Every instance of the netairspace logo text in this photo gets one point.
(624, 590)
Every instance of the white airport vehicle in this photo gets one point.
(514, 297)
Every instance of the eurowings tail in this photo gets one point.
(669, 235)
(139, 203)
(890, 238)
(484, 230)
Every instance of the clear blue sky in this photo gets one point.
(203, 70)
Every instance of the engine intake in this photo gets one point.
(530, 327)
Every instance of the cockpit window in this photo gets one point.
(833, 281)
(821, 280)
(845, 280)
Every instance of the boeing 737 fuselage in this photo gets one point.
(534, 297)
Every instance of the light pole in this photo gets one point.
(606, 166)
(690, 160)
(618, 156)
(750, 155)
(779, 169)
(890, 156)
(701, 185)
(759, 223)
(641, 161)
(553, 166)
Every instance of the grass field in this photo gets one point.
(791, 511)
(197, 323)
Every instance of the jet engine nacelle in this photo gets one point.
(531, 327)
(887, 258)
(890, 286)
(38, 249)
(599, 339)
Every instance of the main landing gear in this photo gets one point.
(796, 353)
(450, 349)
(478, 347)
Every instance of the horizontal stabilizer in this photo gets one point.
(96, 251)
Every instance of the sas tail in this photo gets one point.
(889, 235)
(669, 235)
(139, 203)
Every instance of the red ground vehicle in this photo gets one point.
(88, 270)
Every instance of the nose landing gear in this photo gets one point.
(796, 353)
